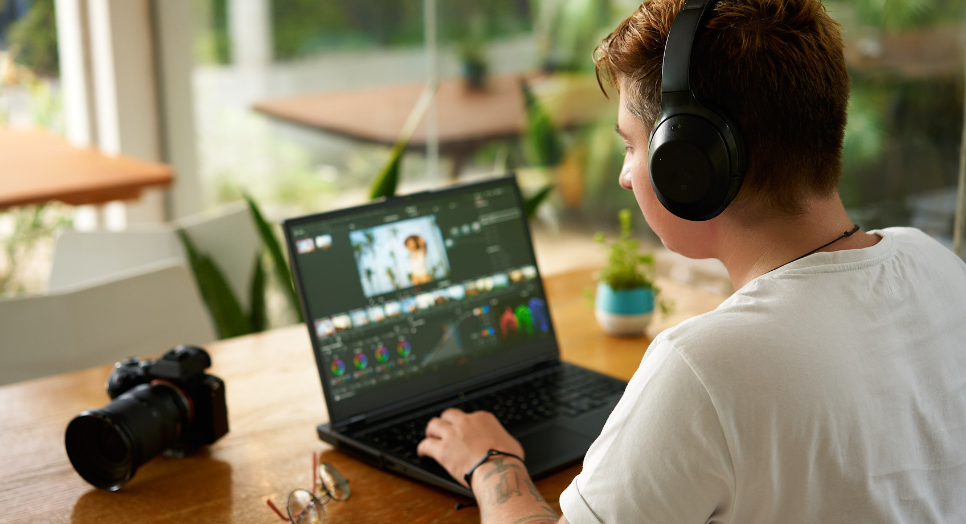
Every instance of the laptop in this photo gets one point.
(433, 300)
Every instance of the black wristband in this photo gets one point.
(489, 453)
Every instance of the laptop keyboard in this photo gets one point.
(566, 390)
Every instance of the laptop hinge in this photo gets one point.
(355, 421)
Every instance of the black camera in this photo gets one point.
(168, 405)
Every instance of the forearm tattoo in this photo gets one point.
(500, 466)
(538, 519)
(508, 488)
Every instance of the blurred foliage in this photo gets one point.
(898, 15)
(569, 30)
(542, 143)
(46, 105)
(532, 203)
(605, 158)
(212, 40)
(33, 39)
(223, 305)
(301, 189)
(904, 128)
(902, 135)
(23, 231)
(243, 150)
(304, 27)
(43, 101)
(543, 146)
(864, 133)
(280, 265)
(386, 182)
(902, 139)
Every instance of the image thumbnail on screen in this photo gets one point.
(399, 255)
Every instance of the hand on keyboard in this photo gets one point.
(457, 440)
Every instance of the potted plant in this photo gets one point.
(472, 53)
(626, 294)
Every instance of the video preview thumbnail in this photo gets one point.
(399, 255)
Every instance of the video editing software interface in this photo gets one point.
(406, 299)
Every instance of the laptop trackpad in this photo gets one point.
(553, 446)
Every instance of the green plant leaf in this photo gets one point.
(225, 310)
(270, 241)
(258, 316)
(541, 139)
(626, 267)
(533, 203)
(387, 180)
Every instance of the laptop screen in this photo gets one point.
(419, 295)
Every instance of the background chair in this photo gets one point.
(139, 312)
(227, 235)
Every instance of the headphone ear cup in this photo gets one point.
(690, 166)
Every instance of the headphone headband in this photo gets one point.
(675, 75)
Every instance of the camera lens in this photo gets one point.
(107, 445)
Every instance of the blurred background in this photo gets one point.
(298, 103)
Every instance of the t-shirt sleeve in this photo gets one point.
(662, 455)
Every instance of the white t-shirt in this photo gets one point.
(830, 390)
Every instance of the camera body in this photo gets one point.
(169, 405)
(184, 368)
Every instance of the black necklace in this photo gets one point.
(846, 234)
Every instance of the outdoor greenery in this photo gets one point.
(569, 30)
(33, 39)
(540, 133)
(897, 15)
(212, 40)
(902, 139)
(542, 142)
(904, 128)
(23, 232)
(304, 27)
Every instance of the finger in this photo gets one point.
(438, 428)
(452, 415)
(429, 447)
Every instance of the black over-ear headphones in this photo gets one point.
(695, 156)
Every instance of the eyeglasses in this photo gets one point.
(303, 507)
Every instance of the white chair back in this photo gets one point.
(141, 312)
(227, 235)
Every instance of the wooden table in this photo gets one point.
(467, 118)
(38, 167)
(274, 403)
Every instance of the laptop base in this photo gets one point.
(549, 446)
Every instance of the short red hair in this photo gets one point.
(777, 67)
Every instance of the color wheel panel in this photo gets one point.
(338, 367)
(382, 354)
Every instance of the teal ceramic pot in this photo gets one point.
(474, 73)
(626, 312)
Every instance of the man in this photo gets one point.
(830, 387)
